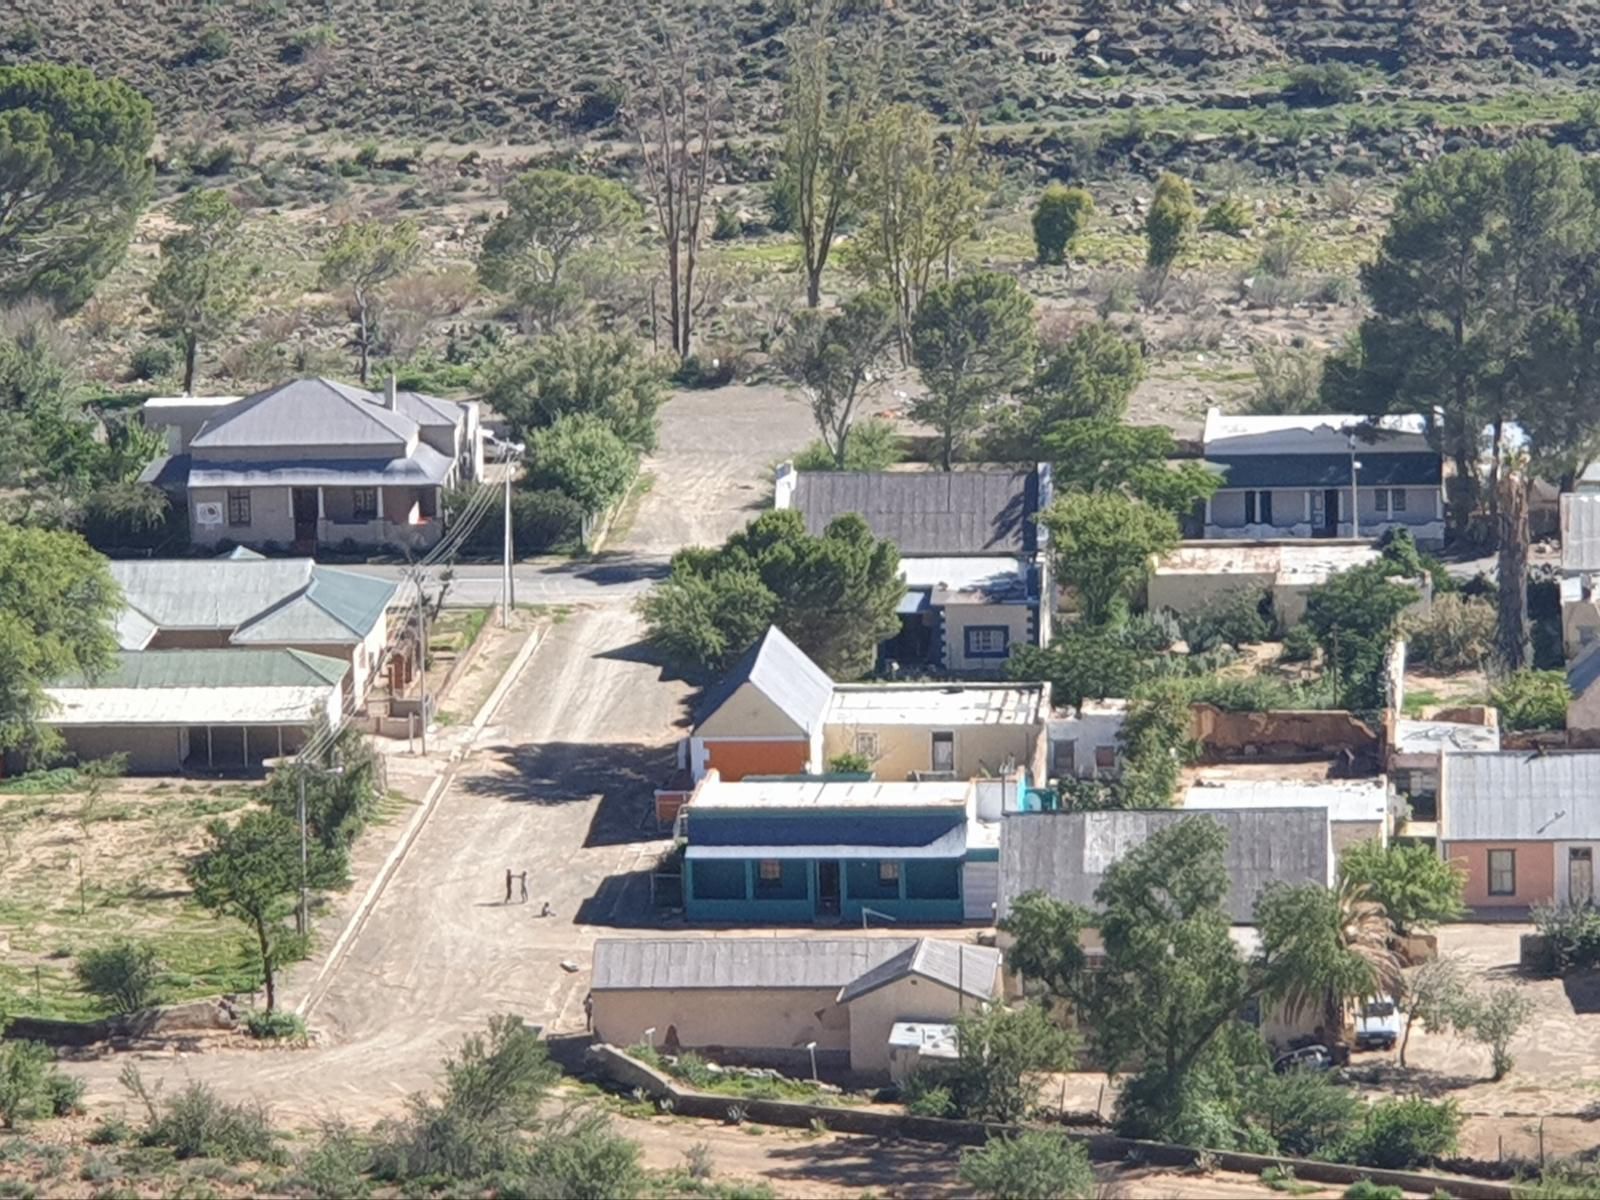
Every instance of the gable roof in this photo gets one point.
(1520, 795)
(306, 412)
(259, 599)
(1067, 854)
(748, 962)
(781, 672)
(160, 669)
(1312, 433)
(200, 687)
(425, 409)
(928, 512)
(964, 968)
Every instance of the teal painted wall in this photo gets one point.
(790, 902)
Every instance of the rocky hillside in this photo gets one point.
(522, 70)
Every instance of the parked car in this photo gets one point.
(1307, 1058)
(1379, 1024)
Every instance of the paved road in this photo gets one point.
(608, 578)
(559, 786)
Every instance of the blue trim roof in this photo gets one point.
(1328, 470)
(878, 829)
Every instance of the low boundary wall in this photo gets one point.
(629, 1073)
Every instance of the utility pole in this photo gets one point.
(302, 916)
(1355, 505)
(422, 660)
(507, 597)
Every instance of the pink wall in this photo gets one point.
(1536, 872)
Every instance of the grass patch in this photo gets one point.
(457, 629)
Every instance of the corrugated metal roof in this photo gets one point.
(904, 830)
(423, 467)
(782, 673)
(1419, 737)
(278, 600)
(1373, 469)
(1580, 531)
(1067, 854)
(872, 841)
(156, 669)
(769, 794)
(306, 412)
(928, 512)
(1301, 433)
(1345, 799)
(626, 964)
(940, 704)
(960, 966)
(426, 410)
(1517, 795)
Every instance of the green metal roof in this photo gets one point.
(215, 668)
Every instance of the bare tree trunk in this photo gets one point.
(267, 973)
(363, 342)
(191, 347)
(1513, 643)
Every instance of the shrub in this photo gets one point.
(1299, 644)
(874, 445)
(1404, 1133)
(1231, 618)
(1058, 218)
(924, 1096)
(24, 1069)
(727, 226)
(213, 45)
(1230, 215)
(1572, 936)
(1365, 1189)
(275, 1026)
(1303, 1112)
(63, 1094)
(1322, 84)
(122, 975)
(1529, 700)
(1456, 634)
(1033, 1166)
(850, 763)
(540, 520)
(1282, 250)
(337, 1165)
(152, 360)
(196, 1123)
(708, 370)
(1287, 381)
(582, 457)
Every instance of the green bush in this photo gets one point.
(1404, 1133)
(1233, 618)
(924, 1096)
(708, 369)
(1230, 215)
(152, 360)
(196, 1123)
(336, 1167)
(1571, 935)
(726, 227)
(1303, 1112)
(1456, 634)
(275, 1026)
(63, 1094)
(582, 457)
(540, 521)
(27, 1087)
(1322, 84)
(1299, 644)
(214, 44)
(1058, 217)
(123, 975)
(1365, 1189)
(1033, 1166)
(873, 445)
(1532, 700)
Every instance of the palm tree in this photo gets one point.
(1326, 947)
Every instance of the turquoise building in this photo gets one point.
(777, 851)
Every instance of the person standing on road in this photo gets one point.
(523, 878)
(508, 885)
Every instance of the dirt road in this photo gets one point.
(558, 785)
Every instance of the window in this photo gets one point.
(1391, 500)
(364, 502)
(1105, 758)
(888, 872)
(944, 752)
(238, 508)
(1258, 508)
(769, 874)
(867, 746)
(988, 641)
(1502, 872)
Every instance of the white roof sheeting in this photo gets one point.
(829, 794)
(297, 705)
(1345, 799)
(1310, 433)
(1580, 532)
(962, 574)
(1520, 795)
(1423, 737)
(951, 844)
(940, 704)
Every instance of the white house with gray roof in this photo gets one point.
(313, 463)
(245, 601)
(767, 1000)
(971, 551)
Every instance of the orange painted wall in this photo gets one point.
(1536, 872)
(735, 760)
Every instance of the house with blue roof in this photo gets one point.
(772, 851)
(1323, 475)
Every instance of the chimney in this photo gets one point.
(388, 393)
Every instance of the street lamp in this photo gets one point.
(812, 1047)
(650, 1037)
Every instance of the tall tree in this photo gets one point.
(1104, 545)
(606, 374)
(1416, 887)
(251, 871)
(830, 358)
(918, 200)
(75, 173)
(551, 217)
(1135, 460)
(363, 256)
(835, 595)
(973, 342)
(206, 271)
(1058, 218)
(1168, 226)
(57, 601)
(1355, 616)
(824, 131)
(675, 119)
